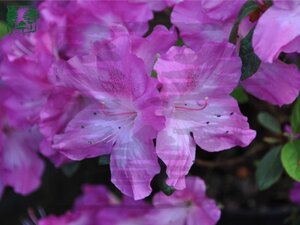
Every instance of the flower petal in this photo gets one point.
(91, 133)
(220, 126)
(176, 148)
(269, 42)
(133, 164)
(277, 83)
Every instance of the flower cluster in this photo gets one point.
(94, 80)
(98, 206)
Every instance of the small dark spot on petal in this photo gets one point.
(218, 115)
(185, 104)
(119, 127)
(231, 113)
(82, 126)
(207, 122)
(227, 132)
(95, 113)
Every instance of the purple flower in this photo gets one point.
(295, 193)
(205, 20)
(268, 42)
(196, 88)
(120, 119)
(269, 85)
(20, 166)
(189, 206)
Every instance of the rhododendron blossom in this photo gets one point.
(268, 42)
(195, 104)
(189, 206)
(121, 118)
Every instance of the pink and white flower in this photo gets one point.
(195, 104)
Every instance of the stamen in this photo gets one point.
(202, 106)
(120, 114)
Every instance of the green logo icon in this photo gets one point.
(21, 18)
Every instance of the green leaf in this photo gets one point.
(104, 160)
(250, 60)
(269, 122)
(70, 168)
(3, 29)
(249, 7)
(240, 95)
(269, 169)
(154, 74)
(295, 119)
(290, 158)
(179, 42)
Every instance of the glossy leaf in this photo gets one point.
(250, 60)
(290, 157)
(70, 168)
(269, 169)
(104, 160)
(249, 7)
(295, 119)
(3, 29)
(269, 122)
(240, 95)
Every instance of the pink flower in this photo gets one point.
(196, 88)
(120, 120)
(268, 42)
(20, 166)
(205, 20)
(295, 193)
(93, 200)
(61, 106)
(187, 207)
(84, 22)
(97, 206)
(268, 80)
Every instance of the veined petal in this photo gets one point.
(199, 74)
(269, 42)
(91, 133)
(277, 83)
(220, 126)
(133, 164)
(21, 167)
(176, 148)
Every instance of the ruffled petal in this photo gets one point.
(199, 74)
(220, 126)
(176, 148)
(269, 42)
(148, 48)
(276, 83)
(91, 133)
(21, 167)
(133, 164)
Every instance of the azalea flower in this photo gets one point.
(187, 207)
(202, 21)
(295, 193)
(268, 42)
(80, 23)
(266, 82)
(195, 104)
(205, 20)
(97, 206)
(20, 166)
(94, 199)
(120, 120)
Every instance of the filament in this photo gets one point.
(202, 106)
